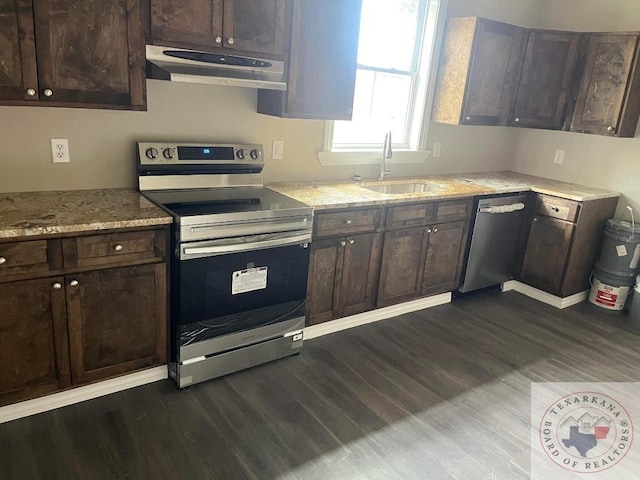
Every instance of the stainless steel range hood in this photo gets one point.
(192, 66)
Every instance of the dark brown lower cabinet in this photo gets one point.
(34, 350)
(344, 275)
(116, 321)
(546, 255)
(421, 261)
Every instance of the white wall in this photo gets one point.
(612, 163)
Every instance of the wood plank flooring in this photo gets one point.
(437, 394)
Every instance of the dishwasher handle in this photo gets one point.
(514, 207)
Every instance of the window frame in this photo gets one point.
(423, 86)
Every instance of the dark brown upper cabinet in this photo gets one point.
(322, 62)
(608, 101)
(479, 65)
(543, 90)
(88, 54)
(244, 25)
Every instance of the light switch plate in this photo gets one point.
(437, 147)
(278, 150)
(559, 158)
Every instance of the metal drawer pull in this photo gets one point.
(118, 248)
(74, 283)
(3, 260)
(57, 286)
(244, 247)
(352, 242)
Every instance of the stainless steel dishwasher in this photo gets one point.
(499, 229)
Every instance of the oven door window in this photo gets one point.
(231, 293)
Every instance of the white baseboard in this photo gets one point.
(80, 394)
(545, 297)
(374, 316)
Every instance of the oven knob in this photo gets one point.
(255, 154)
(241, 153)
(152, 153)
(168, 153)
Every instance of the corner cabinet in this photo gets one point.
(478, 70)
(322, 62)
(70, 53)
(543, 90)
(242, 25)
(80, 309)
(564, 242)
(608, 101)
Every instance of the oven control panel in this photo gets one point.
(152, 153)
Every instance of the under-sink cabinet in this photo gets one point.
(80, 309)
(367, 258)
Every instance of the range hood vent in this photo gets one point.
(192, 66)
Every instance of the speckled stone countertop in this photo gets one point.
(327, 195)
(75, 211)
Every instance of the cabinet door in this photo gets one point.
(18, 75)
(196, 23)
(543, 89)
(402, 265)
(117, 321)
(445, 251)
(603, 100)
(359, 280)
(322, 62)
(546, 254)
(33, 339)
(325, 272)
(495, 64)
(255, 26)
(90, 52)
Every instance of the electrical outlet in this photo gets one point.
(559, 158)
(278, 150)
(437, 146)
(60, 150)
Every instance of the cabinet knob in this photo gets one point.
(48, 92)
(428, 230)
(74, 283)
(610, 129)
(535, 219)
(343, 243)
(348, 222)
(555, 209)
(517, 119)
(435, 230)
(230, 40)
(31, 92)
(351, 242)
(218, 39)
(467, 118)
(57, 286)
(118, 248)
(3, 260)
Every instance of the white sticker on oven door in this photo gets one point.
(243, 281)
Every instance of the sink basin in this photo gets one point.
(400, 188)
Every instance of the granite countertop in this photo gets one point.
(75, 211)
(327, 195)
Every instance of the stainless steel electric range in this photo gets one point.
(240, 257)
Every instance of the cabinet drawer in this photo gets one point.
(453, 210)
(413, 215)
(28, 257)
(113, 248)
(348, 222)
(557, 208)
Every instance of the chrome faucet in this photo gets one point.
(387, 154)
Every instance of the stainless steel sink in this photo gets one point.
(400, 188)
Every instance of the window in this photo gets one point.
(396, 41)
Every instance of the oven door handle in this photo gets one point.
(195, 252)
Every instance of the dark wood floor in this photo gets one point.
(438, 394)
